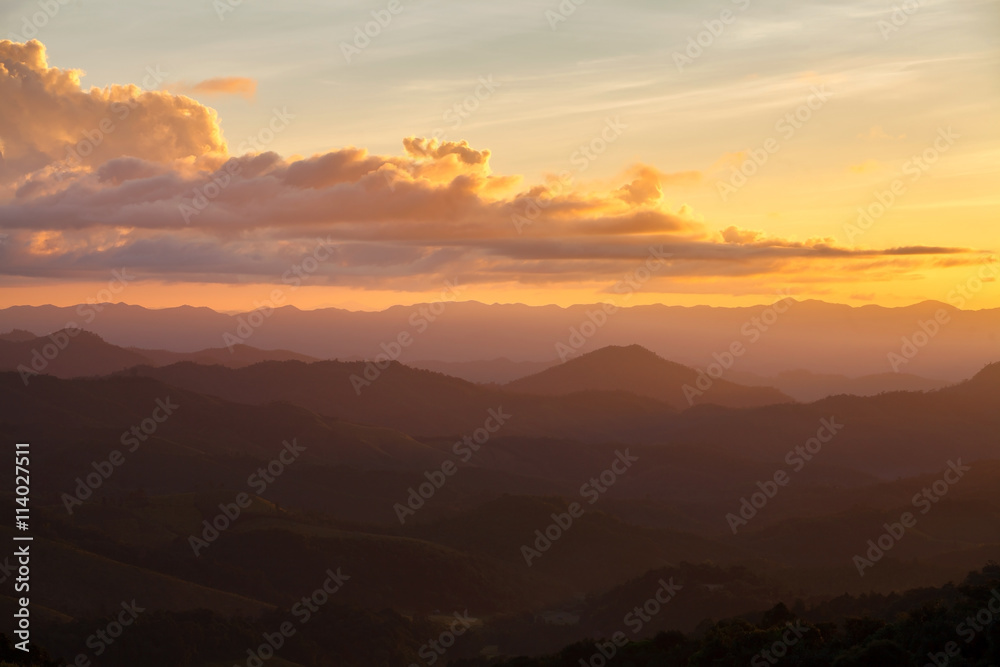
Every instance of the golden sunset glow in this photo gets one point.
(777, 178)
(517, 333)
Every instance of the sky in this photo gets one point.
(368, 154)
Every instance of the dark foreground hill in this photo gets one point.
(462, 547)
(807, 387)
(422, 402)
(900, 433)
(953, 625)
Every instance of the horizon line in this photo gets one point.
(417, 304)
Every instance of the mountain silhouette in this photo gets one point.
(807, 386)
(66, 353)
(70, 353)
(635, 369)
(812, 335)
(420, 402)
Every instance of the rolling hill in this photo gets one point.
(637, 370)
(69, 353)
(807, 387)
(812, 335)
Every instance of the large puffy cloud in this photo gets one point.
(161, 195)
(48, 121)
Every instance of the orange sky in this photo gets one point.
(847, 182)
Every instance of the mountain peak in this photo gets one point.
(620, 352)
(635, 369)
(990, 374)
(18, 336)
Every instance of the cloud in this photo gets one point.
(49, 121)
(228, 85)
(645, 189)
(422, 148)
(741, 236)
(161, 195)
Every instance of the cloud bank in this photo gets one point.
(92, 180)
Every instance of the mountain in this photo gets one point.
(209, 439)
(984, 383)
(237, 357)
(72, 587)
(898, 433)
(637, 370)
(502, 527)
(66, 353)
(812, 335)
(805, 386)
(462, 549)
(69, 353)
(496, 371)
(419, 402)
(17, 336)
(907, 627)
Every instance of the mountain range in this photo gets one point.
(809, 335)
(79, 353)
(426, 488)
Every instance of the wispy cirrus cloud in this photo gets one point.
(241, 86)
